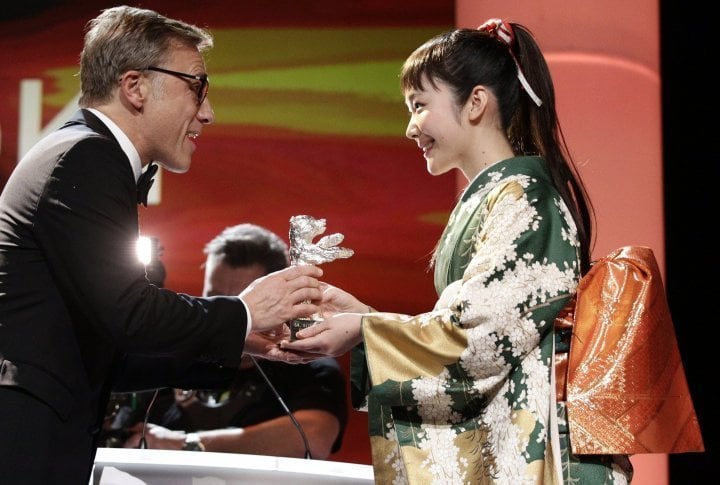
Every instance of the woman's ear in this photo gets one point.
(477, 103)
(133, 89)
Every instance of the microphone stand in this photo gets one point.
(143, 442)
(284, 406)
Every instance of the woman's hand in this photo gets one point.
(334, 300)
(334, 336)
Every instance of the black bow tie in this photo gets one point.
(145, 182)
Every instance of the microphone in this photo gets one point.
(149, 251)
(284, 406)
(143, 442)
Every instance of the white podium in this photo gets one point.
(118, 466)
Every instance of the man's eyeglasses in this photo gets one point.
(200, 89)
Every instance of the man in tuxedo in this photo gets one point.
(248, 417)
(78, 316)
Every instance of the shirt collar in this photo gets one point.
(124, 142)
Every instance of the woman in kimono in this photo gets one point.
(465, 393)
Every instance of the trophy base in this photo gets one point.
(299, 324)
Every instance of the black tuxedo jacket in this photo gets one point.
(78, 317)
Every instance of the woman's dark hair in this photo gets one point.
(465, 58)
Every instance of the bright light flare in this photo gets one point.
(144, 249)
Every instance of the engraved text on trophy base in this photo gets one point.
(299, 324)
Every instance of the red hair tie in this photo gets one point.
(505, 34)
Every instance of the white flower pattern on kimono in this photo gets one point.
(506, 265)
(443, 456)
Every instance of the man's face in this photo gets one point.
(173, 120)
(222, 279)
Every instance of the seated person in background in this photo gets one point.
(248, 417)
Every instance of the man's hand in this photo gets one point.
(156, 437)
(258, 343)
(282, 296)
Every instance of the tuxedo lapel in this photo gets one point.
(86, 118)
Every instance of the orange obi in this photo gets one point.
(623, 379)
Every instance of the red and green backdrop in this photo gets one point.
(309, 119)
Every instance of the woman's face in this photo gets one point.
(436, 126)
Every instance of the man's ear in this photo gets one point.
(477, 103)
(133, 88)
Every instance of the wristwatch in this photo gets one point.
(193, 443)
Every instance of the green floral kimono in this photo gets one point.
(464, 393)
